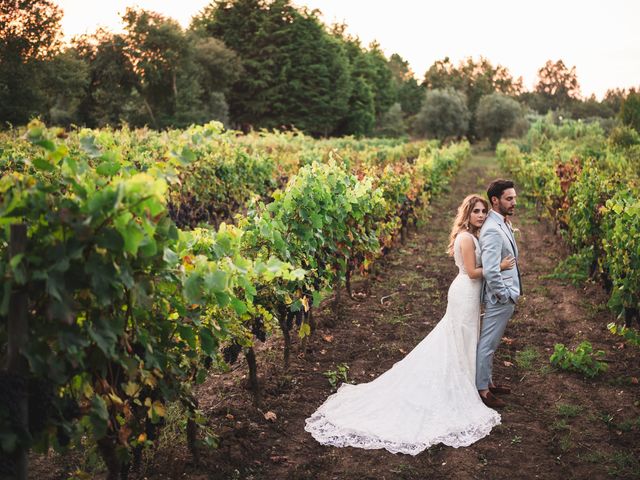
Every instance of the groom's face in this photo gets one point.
(506, 204)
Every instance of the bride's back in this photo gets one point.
(457, 251)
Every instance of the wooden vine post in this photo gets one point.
(16, 367)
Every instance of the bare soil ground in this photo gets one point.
(557, 425)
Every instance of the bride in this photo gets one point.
(429, 396)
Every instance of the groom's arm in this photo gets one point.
(491, 250)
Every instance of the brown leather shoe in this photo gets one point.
(492, 401)
(503, 389)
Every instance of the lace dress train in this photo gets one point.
(428, 397)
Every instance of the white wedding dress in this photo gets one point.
(426, 398)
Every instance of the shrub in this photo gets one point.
(583, 360)
(624, 136)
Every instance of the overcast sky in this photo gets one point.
(600, 37)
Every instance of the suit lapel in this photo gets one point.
(512, 241)
(509, 236)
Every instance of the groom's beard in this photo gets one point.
(505, 211)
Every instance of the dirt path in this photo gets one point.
(556, 426)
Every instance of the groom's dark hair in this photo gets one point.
(498, 186)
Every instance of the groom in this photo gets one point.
(501, 289)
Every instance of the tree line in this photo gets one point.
(261, 64)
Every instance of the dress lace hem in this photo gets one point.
(327, 433)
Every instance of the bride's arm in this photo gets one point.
(467, 248)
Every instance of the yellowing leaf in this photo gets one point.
(87, 390)
(150, 380)
(158, 409)
(131, 389)
(305, 330)
(305, 303)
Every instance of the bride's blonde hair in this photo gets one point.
(461, 222)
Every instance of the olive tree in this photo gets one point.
(496, 115)
(392, 123)
(443, 114)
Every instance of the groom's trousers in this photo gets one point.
(494, 322)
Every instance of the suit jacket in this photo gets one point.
(496, 242)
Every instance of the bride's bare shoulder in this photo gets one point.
(465, 234)
(466, 239)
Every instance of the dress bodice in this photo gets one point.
(457, 251)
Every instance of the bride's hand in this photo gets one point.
(507, 263)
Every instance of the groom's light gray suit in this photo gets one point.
(500, 291)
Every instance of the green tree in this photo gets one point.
(557, 84)
(590, 108)
(242, 26)
(408, 92)
(371, 66)
(444, 114)
(534, 100)
(614, 97)
(370, 77)
(29, 35)
(360, 118)
(410, 96)
(67, 79)
(400, 68)
(295, 73)
(496, 115)
(473, 78)
(167, 88)
(220, 67)
(630, 111)
(392, 123)
(111, 78)
(315, 76)
(380, 78)
(443, 74)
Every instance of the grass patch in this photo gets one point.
(559, 425)
(542, 290)
(397, 320)
(564, 444)
(593, 457)
(625, 465)
(607, 419)
(404, 471)
(546, 370)
(567, 410)
(628, 425)
(526, 358)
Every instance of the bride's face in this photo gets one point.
(478, 215)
